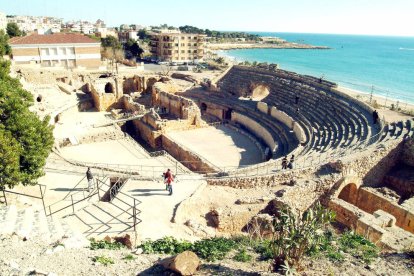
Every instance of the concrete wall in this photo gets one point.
(256, 129)
(262, 107)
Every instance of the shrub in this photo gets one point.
(166, 245)
(295, 234)
(129, 257)
(103, 244)
(242, 256)
(213, 249)
(103, 260)
(264, 249)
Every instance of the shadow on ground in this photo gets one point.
(205, 269)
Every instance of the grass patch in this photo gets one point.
(103, 260)
(129, 257)
(95, 245)
(358, 247)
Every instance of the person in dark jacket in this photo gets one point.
(89, 176)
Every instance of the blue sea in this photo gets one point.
(384, 64)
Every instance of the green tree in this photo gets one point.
(13, 30)
(132, 49)
(25, 140)
(143, 34)
(4, 47)
(111, 42)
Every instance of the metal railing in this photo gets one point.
(42, 189)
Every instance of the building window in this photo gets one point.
(195, 51)
(182, 44)
(182, 51)
(44, 52)
(183, 37)
(195, 44)
(176, 44)
(176, 51)
(189, 51)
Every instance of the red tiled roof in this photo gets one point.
(61, 38)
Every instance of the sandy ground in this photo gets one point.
(222, 146)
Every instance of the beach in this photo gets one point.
(286, 45)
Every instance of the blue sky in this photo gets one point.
(376, 17)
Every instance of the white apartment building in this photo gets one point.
(3, 21)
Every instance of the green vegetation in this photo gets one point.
(103, 260)
(219, 35)
(25, 140)
(242, 256)
(214, 248)
(166, 245)
(209, 249)
(132, 49)
(111, 42)
(13, 30)
(4, 47)
(103, 244)
(129, 257)
(294, 234)
(358, 247)
(295, 237)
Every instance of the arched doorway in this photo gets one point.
(109, 88)
(349, 193)
(203, 107)
(260, 92)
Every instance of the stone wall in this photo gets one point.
(106, 93)
(192, 161)
(408, 153)
(371, 201)
(256, 128)
(176, 105)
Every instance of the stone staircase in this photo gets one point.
(32, 223)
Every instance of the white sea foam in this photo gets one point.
(407, 49)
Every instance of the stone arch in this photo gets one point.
(349, 193)
(347, 189)
(109, 88)
(260, 91)
(203, 107)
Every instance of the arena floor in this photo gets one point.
(222, 146)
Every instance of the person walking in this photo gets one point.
(168, 179)
(89, 177)
(284, 163)
(292, 159)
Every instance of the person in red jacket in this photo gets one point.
(168, 179)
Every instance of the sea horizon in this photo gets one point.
(383, 64)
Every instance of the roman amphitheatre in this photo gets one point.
(224, 135)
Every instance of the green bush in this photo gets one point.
(103, 260)
(129, 257)
(166, 245)
(264, 249)
(242, 256)
(213, 249)
(95, 245)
